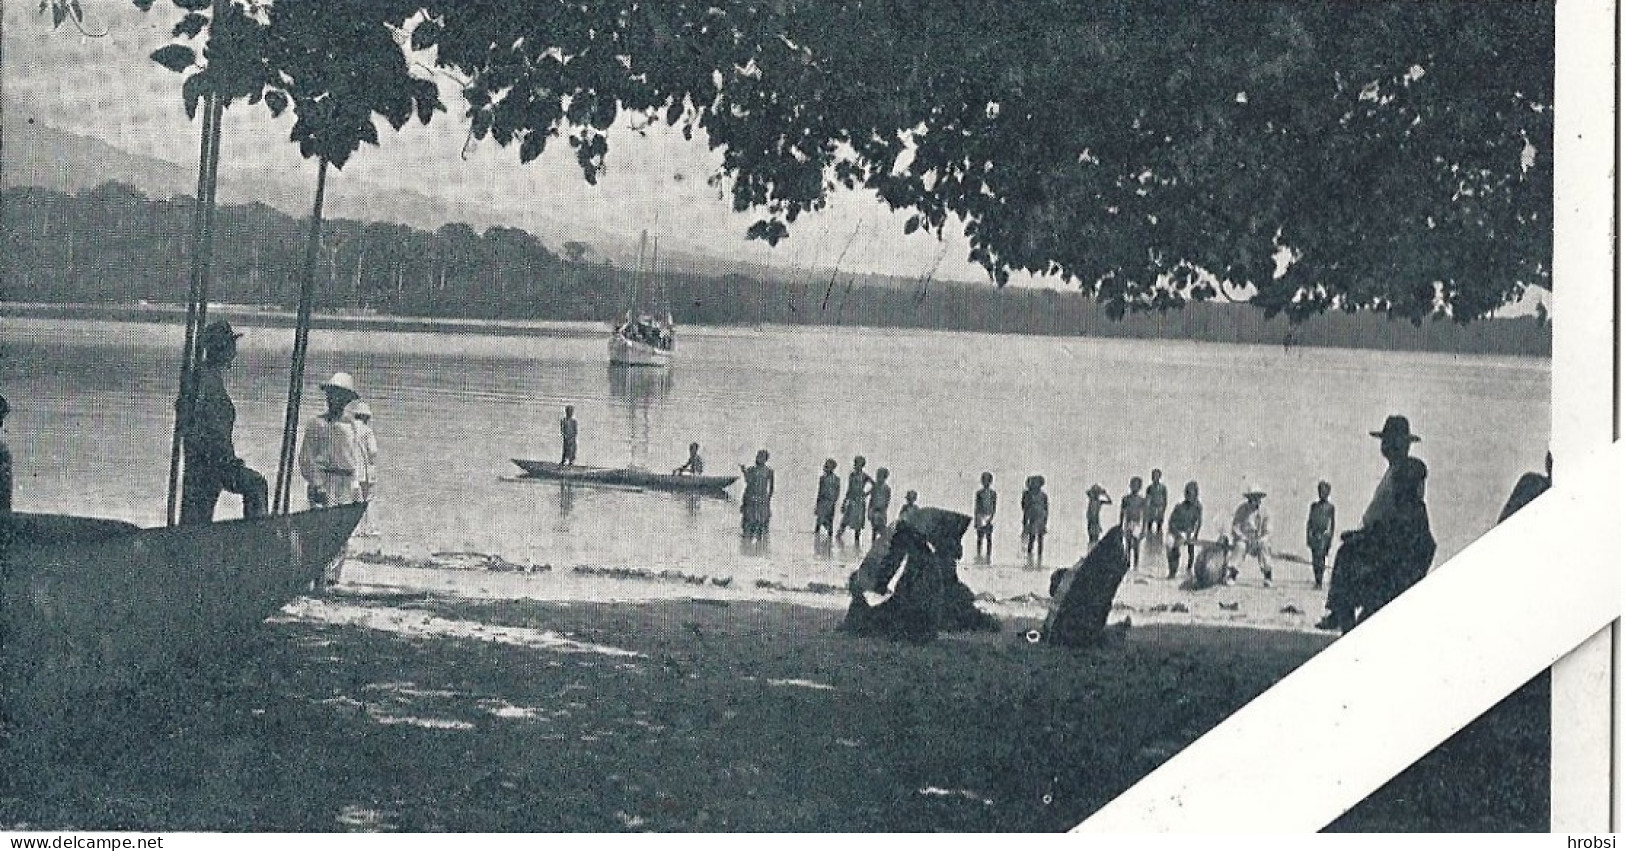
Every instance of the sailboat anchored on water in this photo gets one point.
(640, 339)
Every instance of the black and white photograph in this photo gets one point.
(802, 415)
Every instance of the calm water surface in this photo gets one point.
(92, 400)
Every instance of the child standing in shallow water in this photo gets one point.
(1320, 529)
(829, 491)
(1133, 520)
(1034, 516)
(1097, 498)
(879, 501)
(987, 503)
(857, 498)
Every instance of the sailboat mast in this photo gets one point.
(637, 273)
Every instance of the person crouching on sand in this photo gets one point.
(1250, 532)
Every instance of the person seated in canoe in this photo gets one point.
(695, 466)
(212, 464)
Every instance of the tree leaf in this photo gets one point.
(175, 57)
(190, 25)
(276, 101)
(193, 5)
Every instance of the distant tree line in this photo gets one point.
(112, 244)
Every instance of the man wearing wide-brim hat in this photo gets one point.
(1361, 557)
(207, 419)
(1250, 531)
(330, 454)
(1396, 439)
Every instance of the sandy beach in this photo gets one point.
(479, 695)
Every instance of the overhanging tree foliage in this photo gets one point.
(1397, 154)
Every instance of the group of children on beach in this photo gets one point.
(1142, 516)
(868, 499)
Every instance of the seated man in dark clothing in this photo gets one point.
(212, 464)
(929, 596)
(1379, 562)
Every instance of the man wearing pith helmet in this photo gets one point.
(329, 454)
(212, 464)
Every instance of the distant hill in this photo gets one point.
(33, 153)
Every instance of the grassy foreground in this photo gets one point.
(737, 716)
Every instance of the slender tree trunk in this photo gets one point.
(301, 342)
(198, 290)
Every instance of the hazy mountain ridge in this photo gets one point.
(33, 153)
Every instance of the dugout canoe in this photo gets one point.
(91, 604)
(625, 476)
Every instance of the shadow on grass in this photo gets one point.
(748, 716)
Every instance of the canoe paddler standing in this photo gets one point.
(329, 454)
(569, 427)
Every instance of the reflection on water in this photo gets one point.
(93, 412)
(639, 385)
(567, 499)
(759, 547)
(639, 390)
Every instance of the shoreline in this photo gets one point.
(1144, 599)
(257, 316)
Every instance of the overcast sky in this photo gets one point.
(106, 88)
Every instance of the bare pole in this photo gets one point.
(301, 342)
(196, 297)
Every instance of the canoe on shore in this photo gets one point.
(88, 605)
(627, 476)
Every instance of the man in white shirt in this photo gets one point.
(1250, 532)
(329, 454)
